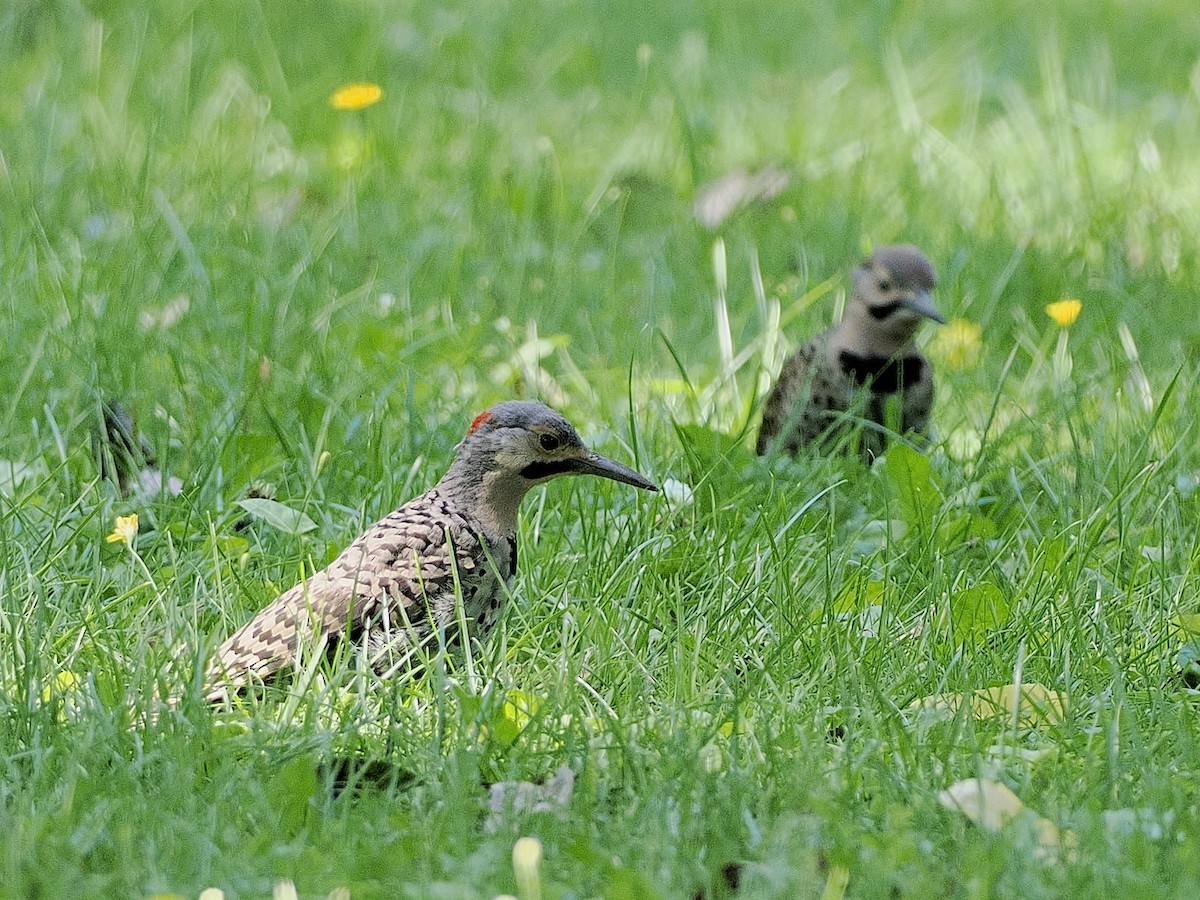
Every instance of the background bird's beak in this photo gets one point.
(921, 303)
(595, 464)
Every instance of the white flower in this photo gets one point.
(676, 492)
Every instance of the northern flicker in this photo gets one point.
(851, 373)
(396, 585)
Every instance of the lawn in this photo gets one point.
(761, 682)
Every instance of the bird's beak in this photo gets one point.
(921, 303)
(595, 464)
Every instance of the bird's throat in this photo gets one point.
(502, 496)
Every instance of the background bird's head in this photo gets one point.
(517, 444)
(892, 296)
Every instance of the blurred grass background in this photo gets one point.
(189, 226)
(534, 162)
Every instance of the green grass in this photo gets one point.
(732, 679)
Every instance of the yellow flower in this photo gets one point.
(125, 530)
(356, 96)
(1064, 312)
(957, 344)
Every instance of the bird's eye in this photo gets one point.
(884, 284)
(549, 442)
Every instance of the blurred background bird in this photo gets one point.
(863, 376)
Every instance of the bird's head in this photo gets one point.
(529, 440)
(517, 444)
(892, 295)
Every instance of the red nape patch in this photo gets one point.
(479, 420)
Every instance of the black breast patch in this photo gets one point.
(887, 375)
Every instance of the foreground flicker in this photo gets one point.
(394, 587)
(851, 373)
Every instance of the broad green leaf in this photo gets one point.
(711, 447)
(255, 450)
(716, 464)
(231, 546)
(856, 594)
(1053, 551)
(961, 527)
(292, 787)
(374, 340)
(513, 716)
(910, 476)
(976, 611)
(1186, 623)
(275, 514)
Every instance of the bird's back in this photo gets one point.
(400, 582)
(390, 590)
(797, 410)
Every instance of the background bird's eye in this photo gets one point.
(884, 284)
(549, 442)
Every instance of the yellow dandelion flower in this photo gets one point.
(125, 530)
(356, 96)
(1064, 312)
(957, 344)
